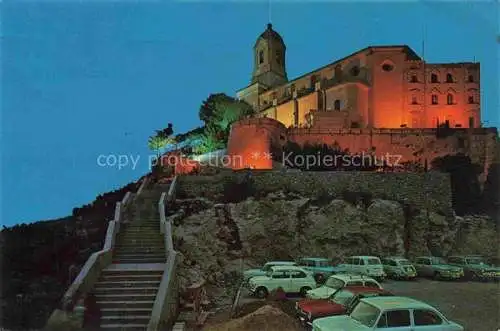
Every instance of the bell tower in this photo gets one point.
(269, 66)
(269, 59)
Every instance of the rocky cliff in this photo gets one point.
(218, 241)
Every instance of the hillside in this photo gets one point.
(40, 260)
(223, 224)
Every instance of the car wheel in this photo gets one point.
(319, 278)
(437, 276)
(261, 293)
(303, 291)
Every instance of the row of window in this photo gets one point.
(401, 318)
(435, 79)
(449, 99)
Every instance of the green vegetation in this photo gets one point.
(161, 139)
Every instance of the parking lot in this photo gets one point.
(475, 305)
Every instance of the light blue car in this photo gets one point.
(247, 274)
(388, 314)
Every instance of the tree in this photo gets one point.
(210, 140)
(218, 112)
(156, 143)
(222, 110)
(167, 132)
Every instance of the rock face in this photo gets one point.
(285, 226)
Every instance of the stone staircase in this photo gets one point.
(126, 290)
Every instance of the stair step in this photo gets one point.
(137, 243)
(123, 327)
(153, 237)
(149, 260)
(124, 289)
(129, 296)
(139, 256)
(124, 311)
(145, 283)
(131, 272)
(138, 262)
(117, 278)
(126, 304)
(133, 256)
(126, 319)
(139, 250)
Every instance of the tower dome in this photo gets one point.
(270, 35)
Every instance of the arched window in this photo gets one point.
(434, 78)
(387, 67)
(414, 100)
(449, 78)
(449, 98)
(355, 71)
(471, 79)
(471, 99)
(434, 99)
(261, 57)
(336, 104)
(278, 57)
(413, 79)
(313, 80)
(338, 71)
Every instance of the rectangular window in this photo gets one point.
(434, 99)
(395, 318)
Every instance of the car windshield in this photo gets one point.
(267, 267)
(404, 262)
(438, 260)
(475, 260)
(342, 297)
(323, 264)
(334, 283)
(365, 314)
(373, 261)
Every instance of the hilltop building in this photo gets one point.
(385, 99)
(376, 87)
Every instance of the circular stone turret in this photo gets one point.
(252, 141)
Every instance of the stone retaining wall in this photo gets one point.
(430, 189)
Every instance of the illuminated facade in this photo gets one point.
(384, 100)
(376, 87)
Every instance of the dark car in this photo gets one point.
(339, 303)
(475, 267)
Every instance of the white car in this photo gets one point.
(370, 266)
(247, 274)
(388, 314)
(290, 278)
(335, 282)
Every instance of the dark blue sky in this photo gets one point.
(81, 80)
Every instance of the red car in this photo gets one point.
(339, 303)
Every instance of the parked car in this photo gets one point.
(475, 267)
(437, 268)
(334, 282)
(290, 278)
(247, 274)
(388, 313)
(340, 303)
(364, 265)
(399, 268)
(321, 268)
